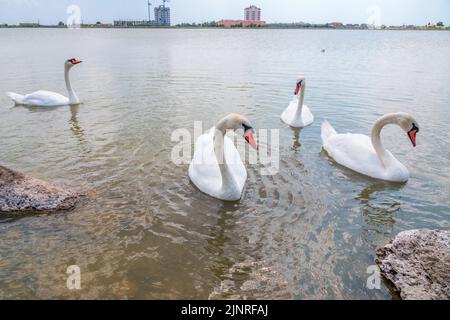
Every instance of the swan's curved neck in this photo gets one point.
(228, 182)
(73, 99)
(376, 135)
(301, 99)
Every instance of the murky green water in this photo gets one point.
(309, 231)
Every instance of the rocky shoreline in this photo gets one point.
(417, 262)
(19, 193)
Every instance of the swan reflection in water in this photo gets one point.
(378, 207)
(296, 144)
(75, 127)
(227, 266)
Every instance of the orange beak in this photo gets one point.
(249, 138)
(412, 136)
(75, 61)
(298, 87)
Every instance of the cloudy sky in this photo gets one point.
(389, 12)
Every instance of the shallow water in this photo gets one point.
(310, 231)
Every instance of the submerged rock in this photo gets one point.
(417, 262)
(21, 193)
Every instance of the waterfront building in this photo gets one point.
(336, 25)
(162, 16)
(252, 13)
(252, 18)
(240, 23)
(133, 23)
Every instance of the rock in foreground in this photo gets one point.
(417, 262)
(21, 193)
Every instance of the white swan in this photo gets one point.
(297, 114)
(216, 168)
(47, 98)
(367, 155)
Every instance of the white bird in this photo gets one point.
(367, 155)
(216, 168)
(297, 114)
(47, 98)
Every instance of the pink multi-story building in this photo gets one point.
(238, 23)
(252, 17)
(252, 13)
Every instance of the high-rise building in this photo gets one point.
(252, 13)
(162, 16)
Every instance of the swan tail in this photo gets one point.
(17, 98)
(327, 131)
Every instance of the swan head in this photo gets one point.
(299, 84)
(71, 62)
(409, 125)
(236, 122)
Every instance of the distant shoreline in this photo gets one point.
(225, 28)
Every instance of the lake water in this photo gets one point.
(308, 232)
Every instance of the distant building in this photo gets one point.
(252, 13)
(132, 23)
(99, 24)
(252, 18)
(336, 25)
(240, 23)
(162, 16)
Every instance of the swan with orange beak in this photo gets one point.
(366, 154)
(216, 168)
(44, 98)
(297, 114)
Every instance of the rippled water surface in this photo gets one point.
(309, 231)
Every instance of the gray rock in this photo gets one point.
(20, 193)
(417, 262)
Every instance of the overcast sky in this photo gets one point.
(389, 12)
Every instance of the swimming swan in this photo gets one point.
(216, 168)
(367, 155)
(47, 98)
(297, 114)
